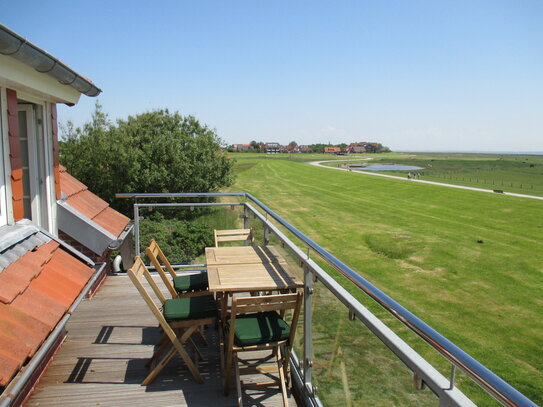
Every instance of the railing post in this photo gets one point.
(246, 223)
(266, 235)
(137, 228)
(308, 330)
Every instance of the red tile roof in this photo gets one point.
(35, 292)
(91, 206)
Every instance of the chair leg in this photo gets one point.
(282, 378)
(227, 368)
(238, 383)
(195, 350)
(201, 336)
(162, 345)
(160, 365)
(286, 365)
(177, 347)
(221, 351)
(183, 353)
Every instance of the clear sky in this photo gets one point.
(413, 75)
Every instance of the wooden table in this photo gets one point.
(243, 255)
(248, 268)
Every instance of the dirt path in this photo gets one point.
(376, 174)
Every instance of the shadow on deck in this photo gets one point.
(102, 362)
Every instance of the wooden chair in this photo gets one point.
(231, 235)
(180, 285)
(256, 324)
(179, 319)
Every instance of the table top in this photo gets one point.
(264, 269)
(251, 277)
(243, 255)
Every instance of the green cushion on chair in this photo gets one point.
(190, 282)
(190, 308)
(259, 328)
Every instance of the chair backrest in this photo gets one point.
(276, 302)
(231, 235)
(137, 273)
(159, 260)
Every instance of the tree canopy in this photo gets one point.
(157, 151)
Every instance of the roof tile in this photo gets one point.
(37, 289)
(70, 185)
(8, 367)
(90, 205)
(56, 286)
(35, 302)
(15, 278)
(28, 329)
(11, 285)
(87, 203)
(72, 268)
(111, 220)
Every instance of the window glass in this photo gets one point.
(23, 137)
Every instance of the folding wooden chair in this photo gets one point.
(179, 319)
(256, 324)
(232, 235)
(180, 285)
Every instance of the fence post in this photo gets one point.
(308, 334)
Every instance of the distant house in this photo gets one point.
(362, 147)
(53, 230)
(305, 149)
(241, 147)
(293, 148)
(332, 150)
(272, 148)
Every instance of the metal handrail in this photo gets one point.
(488, 380)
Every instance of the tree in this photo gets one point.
(256, 145)
(157, 151)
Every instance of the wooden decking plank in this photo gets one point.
(110, 338)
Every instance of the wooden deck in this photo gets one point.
(102, 361)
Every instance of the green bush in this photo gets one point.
(180, 240)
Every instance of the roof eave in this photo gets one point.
(15, 46)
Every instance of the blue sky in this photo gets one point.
(413, 75)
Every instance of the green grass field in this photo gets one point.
(511, 173)
(468, 263)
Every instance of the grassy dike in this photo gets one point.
(469, 264)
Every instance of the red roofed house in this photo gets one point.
(42, 278)
(362, 147)
(332, 150)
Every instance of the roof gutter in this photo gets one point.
(12, 44)
(29, 370)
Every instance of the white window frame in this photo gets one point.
(51, 198)
(38, 165)
(5, 165)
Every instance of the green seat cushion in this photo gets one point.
(190, 282)
(259, 328)
(190, 308)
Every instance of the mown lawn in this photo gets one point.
(470, 264)
(512, 173)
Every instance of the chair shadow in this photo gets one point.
(120, 367)
(149, 335)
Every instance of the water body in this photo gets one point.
(387, 167)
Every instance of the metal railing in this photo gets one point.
(443, 387)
